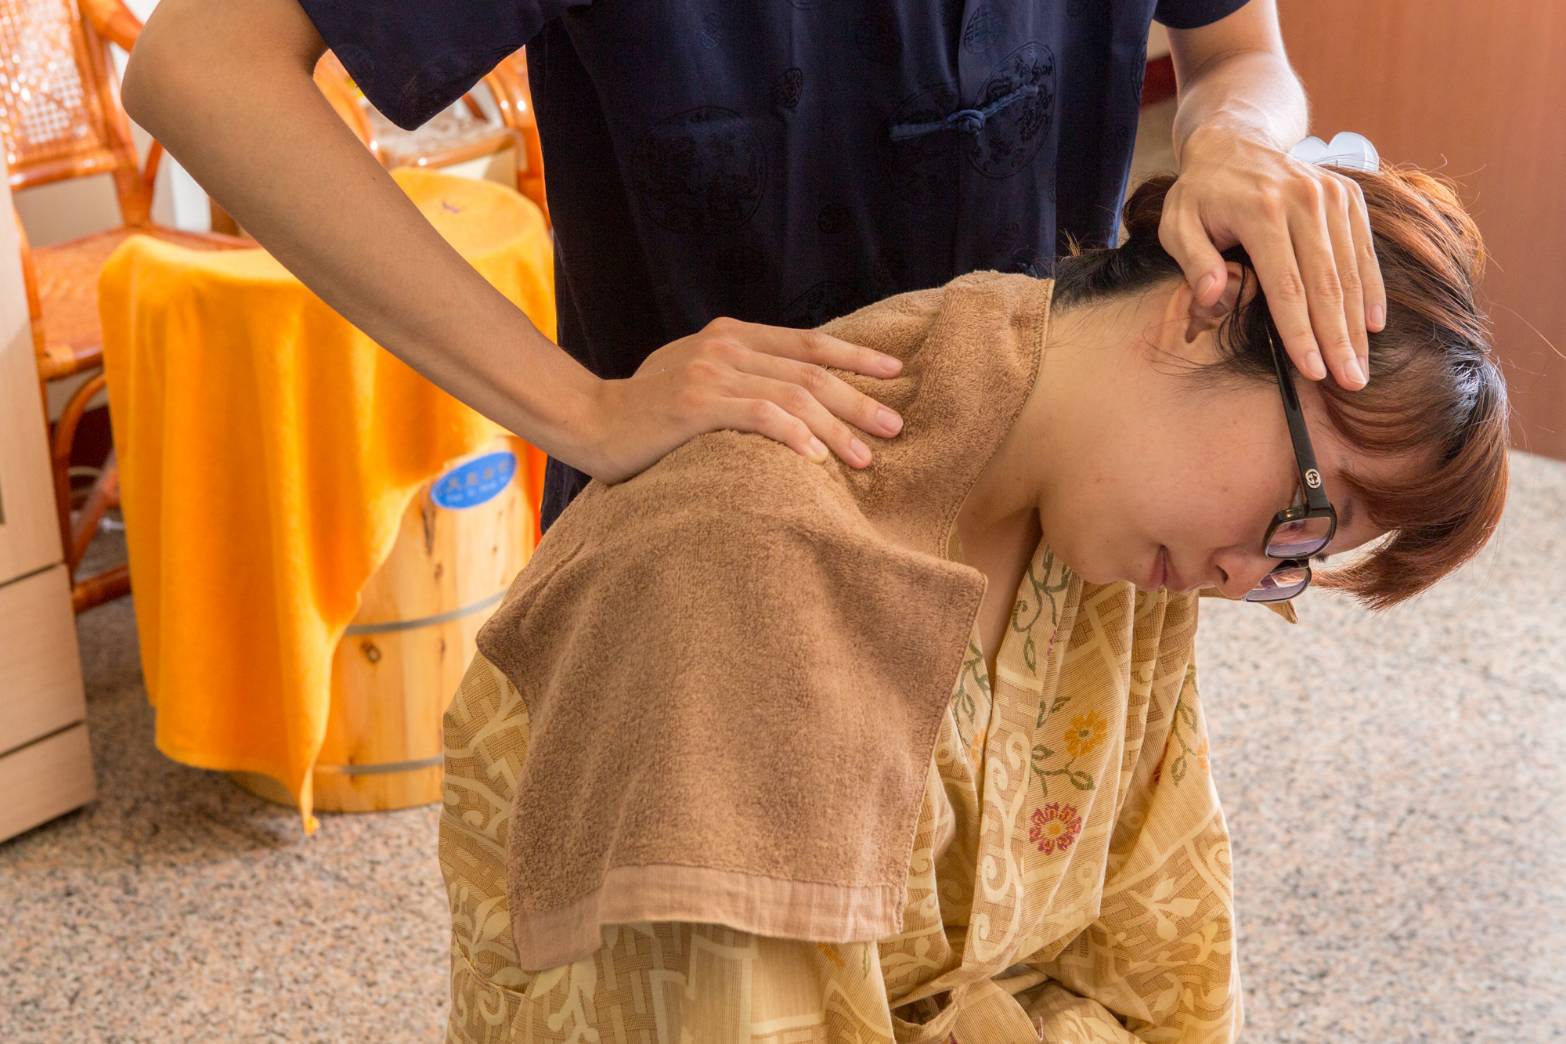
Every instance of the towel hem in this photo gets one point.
(758, 904)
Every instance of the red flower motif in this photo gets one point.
(1054, 827)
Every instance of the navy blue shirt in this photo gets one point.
(783, 161)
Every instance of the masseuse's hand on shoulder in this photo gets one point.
(771, 380)
(1306, 229)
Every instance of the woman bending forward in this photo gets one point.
(764, 749)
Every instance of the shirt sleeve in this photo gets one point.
(412, 58)
(1192, 14)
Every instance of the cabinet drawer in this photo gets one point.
(45, 779)
(40, 673)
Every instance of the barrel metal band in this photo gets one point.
(425, 621)
(383, 767)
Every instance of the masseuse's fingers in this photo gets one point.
(814, 346)
(1338, 204)
(1373, 288)
(808, 394)
(1307, 313)
(746, 376)
(1317, 227)
(1307, 232)
(788, 368)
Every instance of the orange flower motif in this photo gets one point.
(1054, 827)
(1087, 731)
(831, 953)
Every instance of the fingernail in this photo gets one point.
(1315, 368)
(891, 364)
(1378, 315)
(860, 451)
(818, 450)
(889, 420)
(1203, 283)
(1351, 367)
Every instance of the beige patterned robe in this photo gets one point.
(1070, 877)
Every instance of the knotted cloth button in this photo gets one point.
(969, 121)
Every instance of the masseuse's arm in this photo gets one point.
(227, 88)
(1241, 108)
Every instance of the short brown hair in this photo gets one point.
(1434, 385)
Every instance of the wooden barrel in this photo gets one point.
(465, 535)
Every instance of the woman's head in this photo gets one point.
(1193, 452)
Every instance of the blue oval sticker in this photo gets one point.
(472, 483)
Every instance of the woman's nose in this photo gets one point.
(1242, 571)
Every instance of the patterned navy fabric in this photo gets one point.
(783, 161)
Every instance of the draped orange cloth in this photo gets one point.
(268, 450)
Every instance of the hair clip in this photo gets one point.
(1348, 149)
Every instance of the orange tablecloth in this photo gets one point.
(267, 452)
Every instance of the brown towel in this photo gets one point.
(706, 650)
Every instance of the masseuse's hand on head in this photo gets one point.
(1307, 232)
(746, 376)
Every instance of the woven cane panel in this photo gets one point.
(49, 107)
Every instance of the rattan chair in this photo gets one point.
(61, 118)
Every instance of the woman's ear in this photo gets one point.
(1201, 320)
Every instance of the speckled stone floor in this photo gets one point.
(1395, 789)
(178, 907)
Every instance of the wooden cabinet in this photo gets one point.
(45, 762)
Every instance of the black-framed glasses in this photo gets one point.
(1302, 530)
